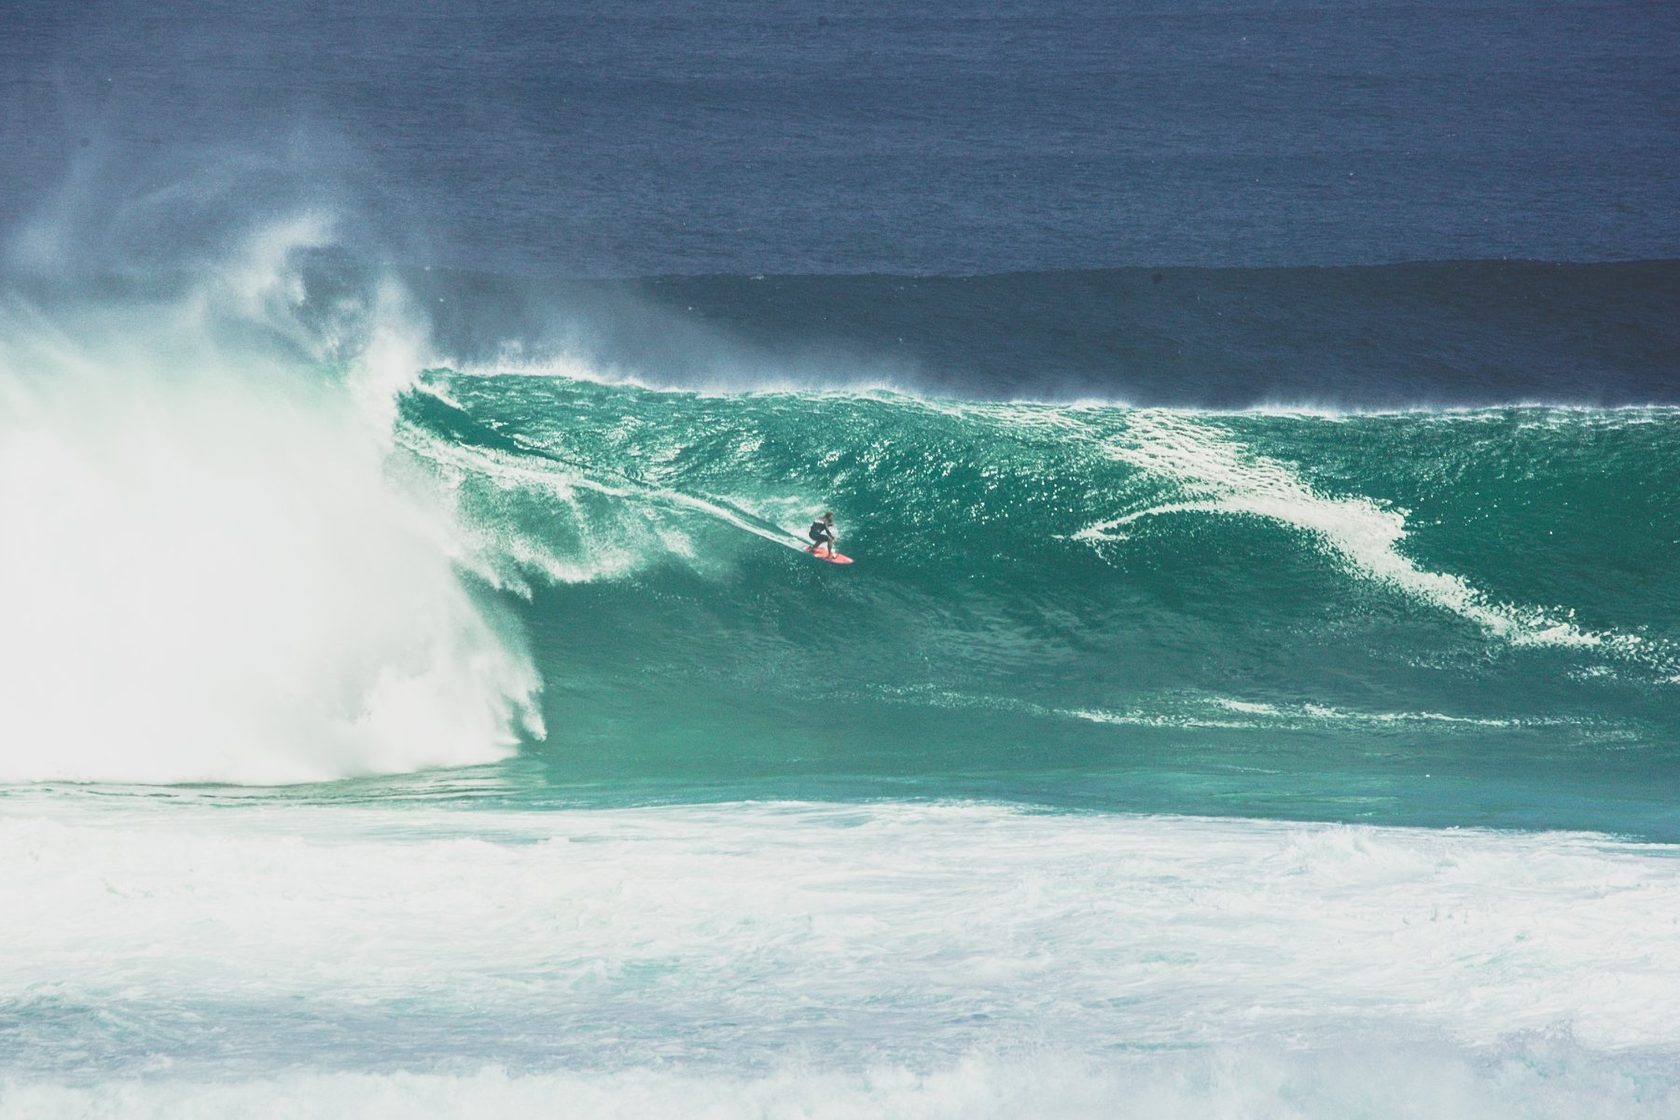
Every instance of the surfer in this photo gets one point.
(822, 532)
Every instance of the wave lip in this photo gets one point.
(1427, 336)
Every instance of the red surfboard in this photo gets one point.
(831, 557)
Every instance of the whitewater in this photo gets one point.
(245, 954)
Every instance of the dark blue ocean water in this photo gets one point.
(819, 137)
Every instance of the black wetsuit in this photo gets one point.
(821, 532)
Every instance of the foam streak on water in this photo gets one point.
(1363, 534)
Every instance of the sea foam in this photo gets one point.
(259, 955)
(210, 570)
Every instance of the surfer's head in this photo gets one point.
(829, 517)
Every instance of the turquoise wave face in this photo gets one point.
(1416, 616)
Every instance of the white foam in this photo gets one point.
(1223, 477)
(1274, 925)
(1540, 1080)
(724, 382)
(914, 956)
(1192, 709)
(207, 573)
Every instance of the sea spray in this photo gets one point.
(210, 571)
